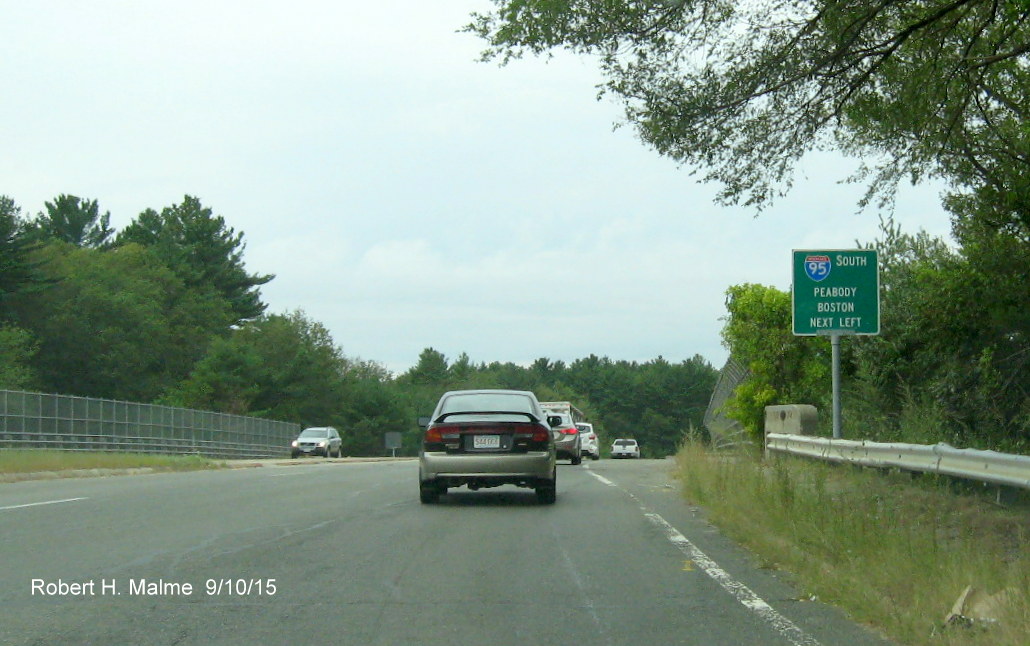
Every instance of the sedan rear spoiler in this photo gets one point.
(531, 416)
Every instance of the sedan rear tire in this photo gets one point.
(547, 494)
(428, 493)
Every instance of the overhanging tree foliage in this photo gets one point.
(744, 89)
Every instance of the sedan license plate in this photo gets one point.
(486, 442)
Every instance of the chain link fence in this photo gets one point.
(724, 431)
(67, 423)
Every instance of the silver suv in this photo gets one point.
(318, 440)
(487, 438)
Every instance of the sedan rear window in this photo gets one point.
(625, 442)
(480, 402)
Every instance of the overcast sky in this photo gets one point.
(404, 194)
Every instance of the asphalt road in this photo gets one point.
(328, 552)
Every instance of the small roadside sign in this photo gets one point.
(836, 291)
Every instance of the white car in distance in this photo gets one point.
(623, 448)
(589, 444)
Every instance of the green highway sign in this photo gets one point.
(836, 291)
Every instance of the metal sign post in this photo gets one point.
(835, 292)
(835, 361)
(393, 441)
(835, 336)
(835, 371)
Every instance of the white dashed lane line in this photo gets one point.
(602, 479)
(38, 504)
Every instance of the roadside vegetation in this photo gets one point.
(944, 368)
(18, 462)
(892, 550)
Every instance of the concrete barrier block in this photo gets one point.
(792, 419)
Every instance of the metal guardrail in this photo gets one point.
(971, 464)
(68, 423)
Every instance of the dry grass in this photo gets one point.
(25, 461)
(893, 551)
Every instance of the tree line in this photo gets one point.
(658, 402)
(164, 311)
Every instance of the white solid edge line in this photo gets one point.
(743, 594)
(37, 504)
(740, 592)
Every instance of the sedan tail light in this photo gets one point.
(442, 432)
(533, 432)
(451, 432)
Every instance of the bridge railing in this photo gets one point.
(69, 423)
